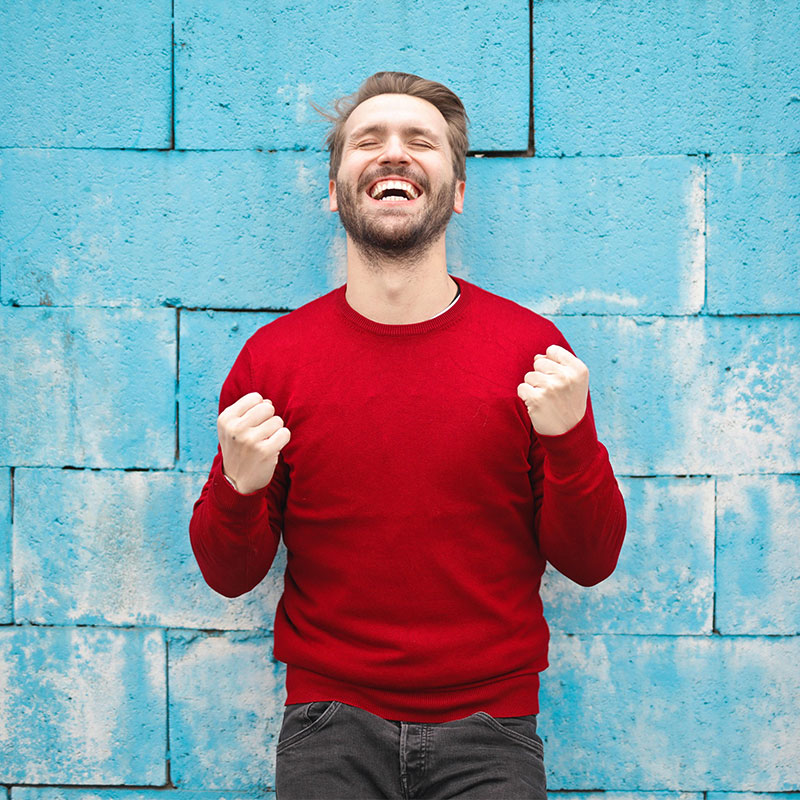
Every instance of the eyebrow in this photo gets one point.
(380, 127)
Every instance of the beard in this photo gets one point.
(393, 240)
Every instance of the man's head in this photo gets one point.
(402, 128)
(437, 94)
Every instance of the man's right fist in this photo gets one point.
(251, 436)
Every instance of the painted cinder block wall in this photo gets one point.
(634, 175)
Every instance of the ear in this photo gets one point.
(458, 201)
(332, 204)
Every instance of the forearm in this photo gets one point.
(232, 537)
(581, 520)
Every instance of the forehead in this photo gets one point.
(396, 111)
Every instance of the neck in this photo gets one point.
(399, 291)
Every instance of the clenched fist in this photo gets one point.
(251, 436)
(555, 391)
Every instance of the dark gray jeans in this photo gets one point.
(333, 751)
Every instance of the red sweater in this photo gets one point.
(417, 506)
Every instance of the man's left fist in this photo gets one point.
(555, 391)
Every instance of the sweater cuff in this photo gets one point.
(572, 452)
(233, 503)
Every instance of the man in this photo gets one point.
(424, 447)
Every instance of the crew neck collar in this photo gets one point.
(453, 312)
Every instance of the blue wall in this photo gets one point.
(163, 194)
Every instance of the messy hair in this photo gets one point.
(448, 103)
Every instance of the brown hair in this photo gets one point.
(448, 103)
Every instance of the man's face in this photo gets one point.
(403, 138)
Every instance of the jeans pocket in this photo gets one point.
(520, 729)
(301, 720)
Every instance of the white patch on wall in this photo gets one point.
(685, 357)
(242, 673)
(560, 304)
(693, 250)
(766, 507)
(6, 690)
(90, 692)
(307, 181)
(738, 163)
(297, 96)
(102, 200)
(755, 413)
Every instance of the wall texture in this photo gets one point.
(634, 175)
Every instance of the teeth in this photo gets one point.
(404, 186)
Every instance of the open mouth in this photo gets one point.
(394, 191)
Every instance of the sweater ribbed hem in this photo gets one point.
(510, 696)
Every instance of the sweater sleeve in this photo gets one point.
(235, 536)
(580, 514)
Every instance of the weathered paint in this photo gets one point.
(225, 708)
(758, 558)
(693, 395)
(85, 74)
(688, 713)
(210, 342)
(62, 793)
(82, 705)
(105, 548)
(584, 235)
(665, 76)
(88, 387)
(664, 580)
(6, 611)
(234, 91)
(753, 235)
(107, 228)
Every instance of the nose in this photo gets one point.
(394, 152)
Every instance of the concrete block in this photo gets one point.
(753, 236)
(225, 710)
(758, 561)
(85, 74)
(210, 342)
(6, 592)
(82, 705)
(639, 795)
(238, 230)
(664, 580)
(699, 395)
(687, 713)
(64, 793)
(577, 236)
(88, 387)
(751, 796)
(233, 90)
(96, 548)
(665, 76)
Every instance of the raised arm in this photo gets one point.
(580, 514)
(236, 522)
